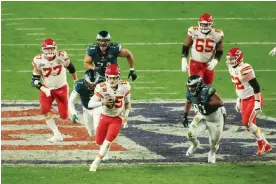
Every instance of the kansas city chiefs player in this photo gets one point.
(114, 96)
(207, 49)
(50, 66)
(250, 99)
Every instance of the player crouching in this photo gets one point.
(114, 96)
(210, 115)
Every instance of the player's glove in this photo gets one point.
(238, 105)
(185, 121)
(212, 64)
(75, 118)
(273, 52)
(184, 65)
(132, 74)
(47, 91)
(257, 107)
(109, 102)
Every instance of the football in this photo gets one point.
(110, 99)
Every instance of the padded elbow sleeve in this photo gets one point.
(71, 68)
(255, 85)
(218, 55)
(185, 50)
(36, 81)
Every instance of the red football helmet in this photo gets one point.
(234, 57)
(112, 74)
(205, 22)
(49, 47)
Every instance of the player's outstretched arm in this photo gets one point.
(187, 109)
(126, 53)
(72, 70)
(215, 101)
(185, 52)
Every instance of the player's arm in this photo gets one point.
(215, 101)
(71, 104)
(123, 52)
(251, 79)
(88, 60)
(187, 109)
(127, 108)
(185, 50)
(219, 52)
(69, 65)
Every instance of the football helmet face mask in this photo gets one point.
(234, 57)
(49, 48)
(112, 74)
(90, 80)
(205, 23)
(103, 40)
(194, 84)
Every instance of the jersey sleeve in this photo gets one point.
(192, 30)
(117, 48)
(246, 69)
(211, 91)
(36, 65)
(77, 86)
(219, 35)
(99, 90)
(63, 58)
(90, 49)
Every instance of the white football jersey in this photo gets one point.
(121, 96)
(204, 46)
(53, 72)
(243, 88)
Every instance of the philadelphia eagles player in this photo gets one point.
(105, 52)
(84, 88)
(209, 115)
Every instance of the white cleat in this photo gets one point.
(192, 148)
(55, 138)
(212, 157)
(93, 168)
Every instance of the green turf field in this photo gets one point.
(157, 65)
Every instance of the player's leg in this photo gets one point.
(114, 126)
(45, 108)
(61, 97)
(195, 68)
(88, 121)
(196, 127)
(249, 121)
(208, 77)
(215, 128)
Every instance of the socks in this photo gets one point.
(103, 150)
(256, 131)
(52, 124)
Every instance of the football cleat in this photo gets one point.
(261, 147)
(212, 157)
(93, 168)
(192, 148)
(268, 148)
(56, 138)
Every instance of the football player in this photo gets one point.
(208, 105)
(273, 52)
(84, 88)
(114, 96)
(50, 66)
(250, 99)
(206, 51)
(104, 52)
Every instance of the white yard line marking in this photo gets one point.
(148, 43)
(35, 34)
(162, 93)
(41, 39)
(7, 14)
(29, 29)
(261, 70)
(136, 19)
(15, 23)
(141, 82)
(148, 87)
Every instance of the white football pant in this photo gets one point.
(91, 119)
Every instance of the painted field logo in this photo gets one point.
(155, 134)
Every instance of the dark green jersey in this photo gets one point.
(85, 93)
(101, 60)
(201, 100)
